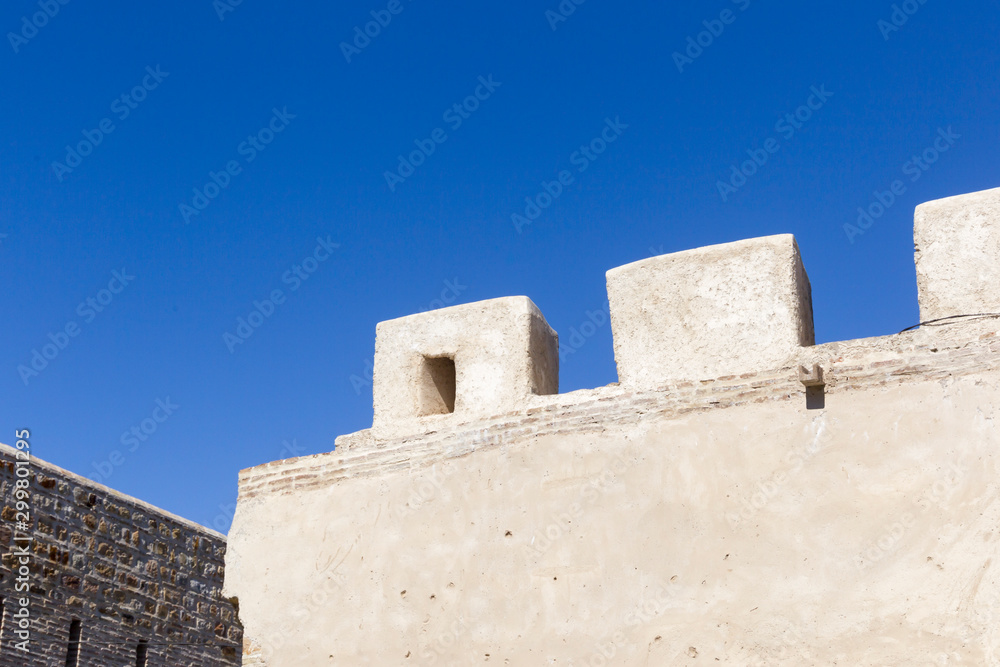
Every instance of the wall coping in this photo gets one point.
(55, 471)
(920, 355)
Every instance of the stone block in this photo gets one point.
(713, 311)
(464, 362)
(957, 254)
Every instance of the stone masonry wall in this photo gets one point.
(127, 571)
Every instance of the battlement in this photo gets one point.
(729, 309)
(738, 488)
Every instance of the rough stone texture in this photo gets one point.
(957, 251)
(837, 504)
(698, 314)
(128, 571)
(502, 351)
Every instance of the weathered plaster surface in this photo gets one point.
(721, 517)
(677, 518)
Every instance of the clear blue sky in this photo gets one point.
(324, 133)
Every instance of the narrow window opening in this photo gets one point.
(73, 650)
(437, 386)
(815, 384)
(816, 398)
(141, 651)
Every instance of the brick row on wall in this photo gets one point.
(852, 365)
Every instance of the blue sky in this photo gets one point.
(177, 164)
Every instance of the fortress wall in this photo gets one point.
(129, 572)
(734, 464)
(741, 497)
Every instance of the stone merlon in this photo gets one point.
(957, 248)
(722, 310)
(473, 361)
